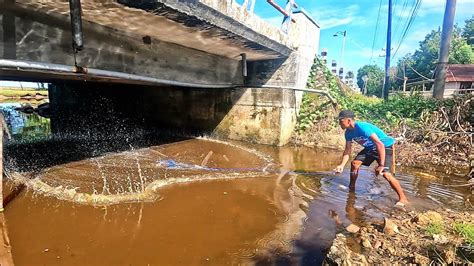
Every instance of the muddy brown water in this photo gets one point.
(207, 203)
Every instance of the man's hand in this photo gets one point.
(339, 169)
(379, 170)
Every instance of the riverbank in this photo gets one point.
(432, 135)
(440, 237)
(434, 140)
(22, 94)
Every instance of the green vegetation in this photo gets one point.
(374, 75)
(468, 32)
(35, 128)
(390, 114)
(311, 110)
(424, 59)
(466, 230)
(434, 228)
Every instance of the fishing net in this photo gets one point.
(138, 174)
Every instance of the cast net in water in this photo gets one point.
(137, 175)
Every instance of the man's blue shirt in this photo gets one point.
(362, 132)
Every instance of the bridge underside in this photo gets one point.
(186, 44)
(169, 40)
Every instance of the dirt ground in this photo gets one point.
(405, 238)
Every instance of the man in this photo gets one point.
(377, 147)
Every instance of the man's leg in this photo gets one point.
(352, 213)
(396, 186)
(355, 165)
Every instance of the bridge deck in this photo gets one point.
(196, 42)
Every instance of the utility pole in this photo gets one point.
(365, 78)
(405, 78)
(343, 46)
(448, 21)
(344, 34)
(386, 84)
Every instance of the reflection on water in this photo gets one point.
(25, 127)
(215, 203)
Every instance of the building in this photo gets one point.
(459, 80)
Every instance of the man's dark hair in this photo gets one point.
(346, 114)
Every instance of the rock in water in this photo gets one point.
(352, 228)
(389, 227)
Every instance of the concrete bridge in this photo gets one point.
(209, 65)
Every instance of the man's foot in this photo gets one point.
(401, 204)
(404, 201)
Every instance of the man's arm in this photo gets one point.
(381, 151)
(345, 157)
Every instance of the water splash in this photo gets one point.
(127, 167)
(105, 187)
(150, 193)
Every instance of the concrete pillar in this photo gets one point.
(266, 111)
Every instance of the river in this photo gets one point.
(188, 201)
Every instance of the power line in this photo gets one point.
(417, 72)
(405, 4)
(410, 23)
(407, 23)
(375, 33)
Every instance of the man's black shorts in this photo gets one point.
(368, 156)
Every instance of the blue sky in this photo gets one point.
(359, 19)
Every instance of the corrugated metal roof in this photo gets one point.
(460, 73)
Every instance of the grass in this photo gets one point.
(435, 228)
(9, 92)
(466, 230)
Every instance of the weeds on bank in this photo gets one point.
(466, 230)
(385, 114)
(439, 132)
(435, 228)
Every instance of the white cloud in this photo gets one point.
(438, 6)
(334, 22)
(330, 17)
(411, 43)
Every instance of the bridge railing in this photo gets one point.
(287, 12)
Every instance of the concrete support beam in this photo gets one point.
(45, 38)
(261, 115)
(268, 115)
(257, 115)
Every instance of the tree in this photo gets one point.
(375, 77)
(424, 59)
(468, 31)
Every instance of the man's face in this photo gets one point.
(344, 123)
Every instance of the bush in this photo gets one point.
(434, 228)
(385, 114)
(466, 230)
